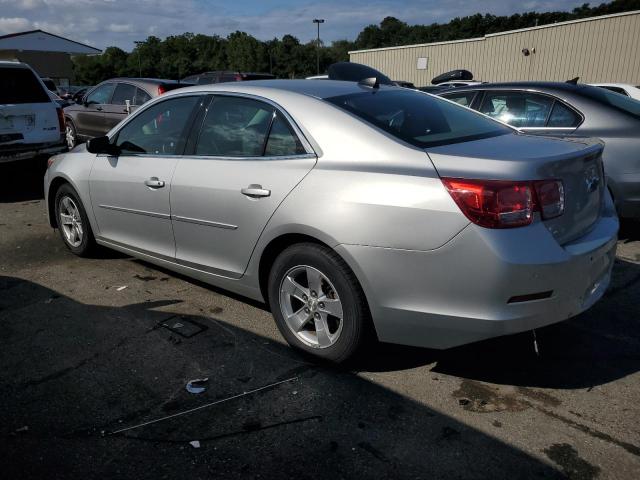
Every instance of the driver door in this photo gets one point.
(130, 192)
(90, 119)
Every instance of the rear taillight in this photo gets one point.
(61, 121)
(161, 89)
(505, 204)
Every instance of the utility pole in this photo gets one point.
(138, 43)
(318, 21)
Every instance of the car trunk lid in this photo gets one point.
(577, 162)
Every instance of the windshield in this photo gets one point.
(621, 103)
(419, 119)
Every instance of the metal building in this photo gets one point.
(596, 49)
(48, 54)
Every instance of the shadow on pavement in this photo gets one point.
(72, 373)
(22, 180)
(599, 346)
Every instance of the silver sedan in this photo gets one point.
(353, 210)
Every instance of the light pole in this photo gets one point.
(138, 43)
(318, 21)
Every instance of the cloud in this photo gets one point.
(13, 24)
(120, 22)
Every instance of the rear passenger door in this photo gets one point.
(530, 111)
(244, 162)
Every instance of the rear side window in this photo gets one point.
(141, 97)
(463, 98)
(235, 127)
(123, 92)
(520, 109)
(20, 85)
(563, 116)
(282, 141)
(421, 120)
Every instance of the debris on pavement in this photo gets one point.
(197, 385)
(207, 405)
(119, 289)
(195, 443)
(22, 429)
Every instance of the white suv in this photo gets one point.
(31, 124)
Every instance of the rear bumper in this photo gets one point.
(626, 189)
(24, 151)
(460, 293)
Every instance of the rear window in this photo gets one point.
(621, 103)
(20, 85)
(421, 120)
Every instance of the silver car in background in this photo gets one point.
(350, 209)
(551, 108)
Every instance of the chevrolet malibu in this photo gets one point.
(351, 209)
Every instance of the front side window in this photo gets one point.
(123, 92)
(235, 127)
(519, 109)
(462, 98)
(421, 120)
(102, 94)
(159, 129)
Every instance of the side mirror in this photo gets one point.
(102, 145)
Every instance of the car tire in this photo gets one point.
(73, 223)
(71, 134)
(339, 307)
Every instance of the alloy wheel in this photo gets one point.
(71, 222)
(70, 135)
(311, 306)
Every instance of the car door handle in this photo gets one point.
(153, 182)
(255, 191)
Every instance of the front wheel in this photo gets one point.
(317, 302)
(73, 223)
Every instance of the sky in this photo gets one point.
(102, 23)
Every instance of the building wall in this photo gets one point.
(600, 49)
(55, 65)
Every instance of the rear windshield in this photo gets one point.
(621, 103)
(174, 86)
(257, 76)
(419, 119)
(20, 85)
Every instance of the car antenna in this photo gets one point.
(370, 82)
(573, 81)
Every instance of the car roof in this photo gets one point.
(12, 64)
(324, 89)
(143, 81)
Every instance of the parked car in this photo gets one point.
(31, 123)
(107, 104)
(622, 88)
(349, 209)
(77, 96)
(67, 93)
(570, 110)
(207, 78)
(404, 84)
(51, 86)
(62, 103)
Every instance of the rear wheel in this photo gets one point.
(71, 134)
(73, 223)
(317, 302)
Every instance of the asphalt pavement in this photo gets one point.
(95, 355)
